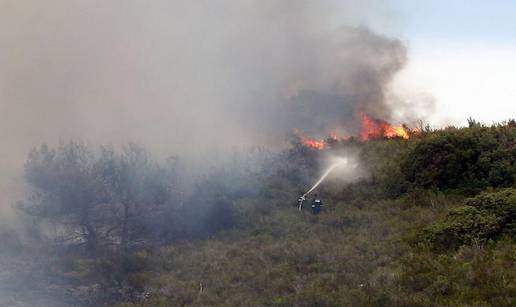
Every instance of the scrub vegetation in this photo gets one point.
(432, 223)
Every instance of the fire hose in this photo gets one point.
(338, 163)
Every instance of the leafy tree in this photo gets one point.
(138, 188)
(107, 198)
(66, 190)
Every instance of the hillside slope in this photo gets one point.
(405, 236)
(429, 221)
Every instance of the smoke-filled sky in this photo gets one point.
(184, 76)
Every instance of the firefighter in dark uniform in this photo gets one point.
(316, 205)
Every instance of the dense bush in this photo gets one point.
(502, 205)
(482, 218)
(464, 225)
(383, 158)
(467, 159)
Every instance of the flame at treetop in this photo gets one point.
(369, 129)
(378, 128)
(309, 142)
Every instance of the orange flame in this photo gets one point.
(370, 129)
(309, 142)
(378, 128)
(315, 144)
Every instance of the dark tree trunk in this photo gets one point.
(91, 239)
(91, 234)
(125, 229)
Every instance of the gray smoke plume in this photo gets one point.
(195, 79)
(184, 74)
(185, 77)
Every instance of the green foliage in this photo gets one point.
(470, 276)
(382, 159)
(95, 197)
(482, 218)
(502, 205)
(464, 225)
(364, 249)
(347, 256)
(467, 159)
(404, 235)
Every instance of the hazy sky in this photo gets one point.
(134, 68)
(458, 20)
(187, 78)
(462, 52)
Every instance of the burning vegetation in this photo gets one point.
(416, 223)
(127, 232)
(374, 129)
(370, 129)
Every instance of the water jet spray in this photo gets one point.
(330, 169)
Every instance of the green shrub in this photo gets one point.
(482, 218)
(464, 225)
(467, 160)
(502, 204)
